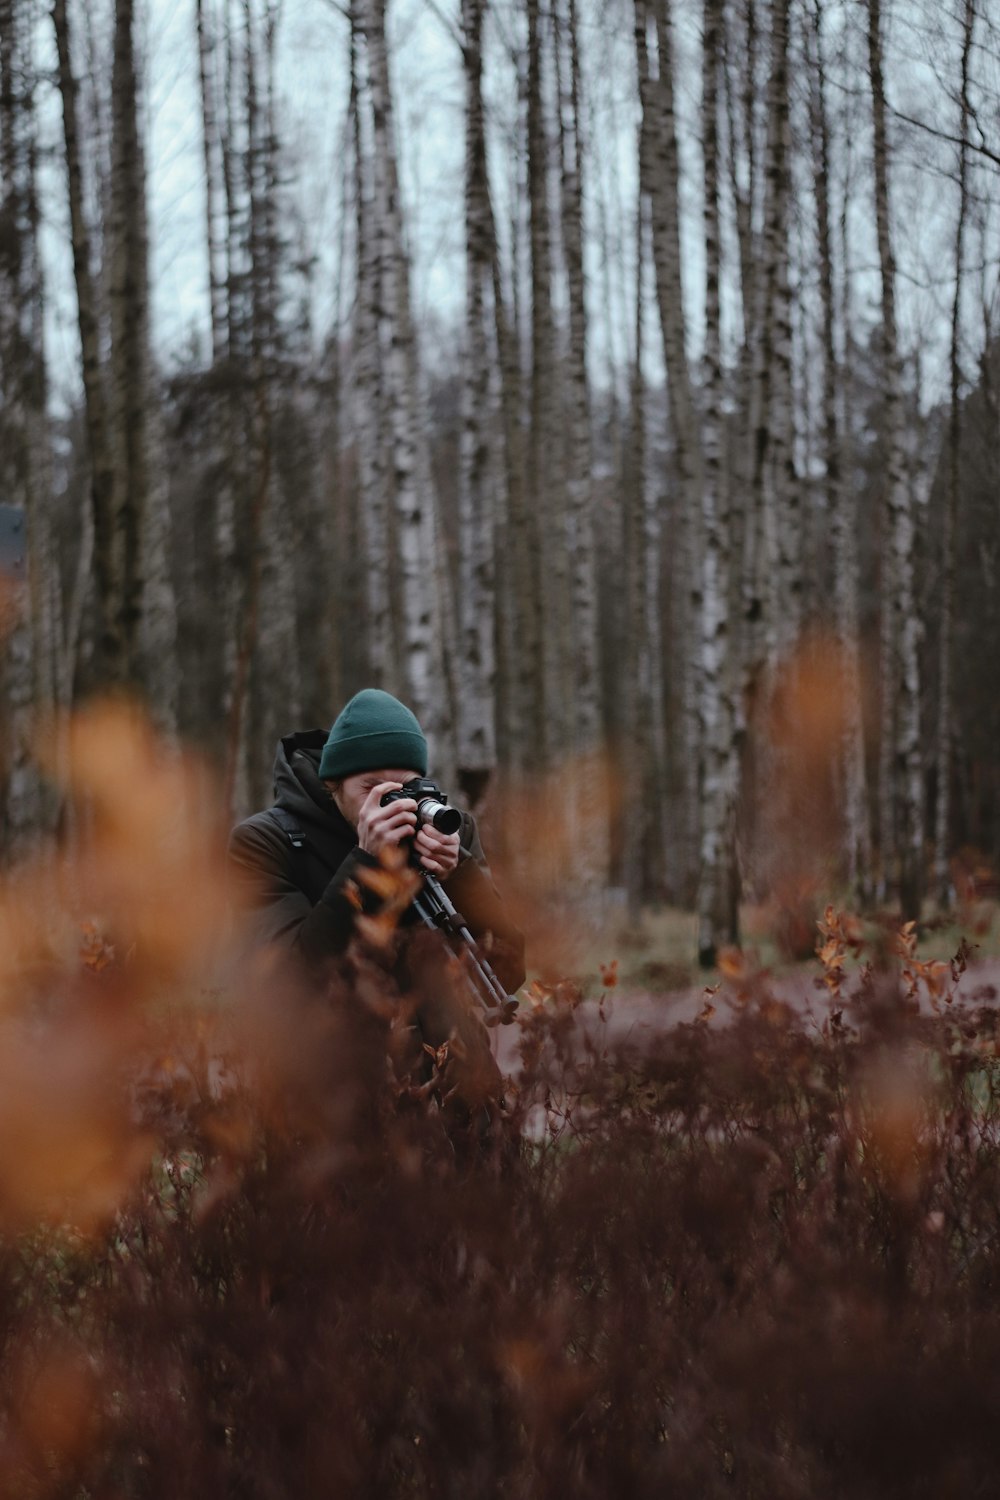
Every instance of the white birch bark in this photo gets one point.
(523, 680)
(774, 480)
(589, 832)
(660, 181)
(512, 740)
(368, 405)
(787, 619)
(901, 792)
(745, 97)
(636, 697)
(643, 747)
(841, 504)
(413, 500)
(718, 678)
(945, 706)
(546, 706)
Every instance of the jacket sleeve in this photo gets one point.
(273, 907)
(475, 895)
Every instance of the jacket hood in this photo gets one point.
(298, 788)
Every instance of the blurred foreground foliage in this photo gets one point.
(240, 1257)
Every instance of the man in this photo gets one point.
(305, 866)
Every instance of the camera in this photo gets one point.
(432, 804)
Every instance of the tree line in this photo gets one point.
(675, 523)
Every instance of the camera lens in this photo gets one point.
(445, 819)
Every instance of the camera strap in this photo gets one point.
(289, 825)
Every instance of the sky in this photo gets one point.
(313, 82)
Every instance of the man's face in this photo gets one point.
(352, 791)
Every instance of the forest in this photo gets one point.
(616, 382)
(675, 512)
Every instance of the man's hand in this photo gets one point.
(383, 827)
(437, 852)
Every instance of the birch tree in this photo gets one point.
(660, 181)
(589, 833)
(208, 87)
(637, 727)
(479, 464)
(133, 591)
(522, 682)
(785, 497)
(717, 915)
(543, 695)
(276, 685)
(840, 500)
(745, 95)
(368, 405)
(225, 458)
(945, 707)
(113, 586)
(414, 504)
(142, 518)
(775, 585)
(643, 813)
(900, 791)
(26, 625)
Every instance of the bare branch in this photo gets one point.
(944, 135)
(447, 23)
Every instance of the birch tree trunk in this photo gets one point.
(660, 180)
(25, 638)
(740, 47)
(127, 291)
(413, 499)
(114, 653)
(636, 739)
(478, 462)
(142, 514)
(841, 504)
(226, 449)
(251, 351)
(214, 194)
(786, 618)
(945, 707)
(589, 832)
(717, 913)
(643, 749)
(238, 497)
(901, 794)
(543, 697)
(273, 652)
(368, 403)
(522, 682)
(774, 587)
(744, 95)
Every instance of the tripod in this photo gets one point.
(436, 910)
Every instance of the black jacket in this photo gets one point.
(296, 898)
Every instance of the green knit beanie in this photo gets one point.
(372, 732)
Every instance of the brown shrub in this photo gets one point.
(242, 1257)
